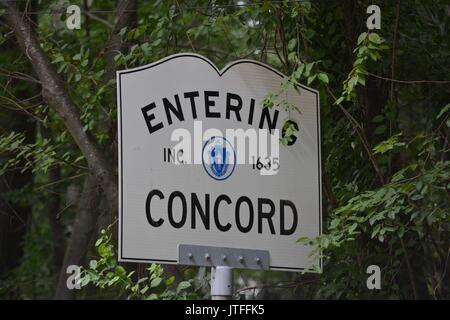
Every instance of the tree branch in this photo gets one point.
(360, 131)
(408, 81)
(125, 12)
(55, 94)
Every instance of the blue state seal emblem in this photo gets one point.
(218, 158)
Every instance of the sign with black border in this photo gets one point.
(161, 202)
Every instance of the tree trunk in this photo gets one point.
(83, 227)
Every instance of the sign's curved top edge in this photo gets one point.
(219, 72)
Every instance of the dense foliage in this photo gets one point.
(385, 106)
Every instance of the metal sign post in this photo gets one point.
(221, 283)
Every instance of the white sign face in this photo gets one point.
(185, 179)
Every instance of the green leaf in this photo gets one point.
(85, 280)
(292, 56)
(153, 296)
(443, 110)
(334, 223)
(170, 280)
(375, 38)
(155, 282)
(416, 197)
(388, 144)
(120, 271)
(298, 73)
(380, 129)
(375, 231)
(339, 101)
(311, 79)
(303, 240)
(294, 12)
(62, 67)
(308, 68)
(292, 43)
(113, 280)
(102, 250)
(141, 280)
(323, 77)
(93, 264)
(58, 59)
(144, 290)
(99, 240)
(306, 6)
(379, 118)
(352, 227)
(183, 285)
(362, 37)
(123, 31)
(156, 43)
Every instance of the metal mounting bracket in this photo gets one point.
(195, 255)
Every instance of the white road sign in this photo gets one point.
(182, 180)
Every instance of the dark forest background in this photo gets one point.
(385, 105)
